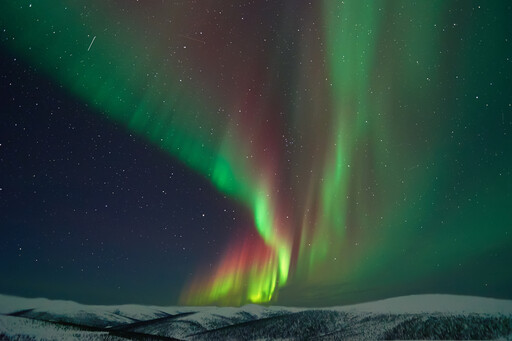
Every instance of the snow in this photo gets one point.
(433, 303)
(400, 317)
(88, 315)
(10, 304)
(21, 328)
(429, 303)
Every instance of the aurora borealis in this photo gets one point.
(368, 142)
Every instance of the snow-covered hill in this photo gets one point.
(408, 317)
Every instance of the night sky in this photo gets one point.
(228, 152)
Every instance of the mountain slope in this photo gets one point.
(408, 317)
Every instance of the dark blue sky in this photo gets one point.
(91, 212)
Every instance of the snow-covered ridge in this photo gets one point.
(12, 304)
(427, 303)
(409, 317)
(88, 315)
(434, 303)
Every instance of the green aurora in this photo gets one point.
(395, 174)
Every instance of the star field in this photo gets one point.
(292, 152)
